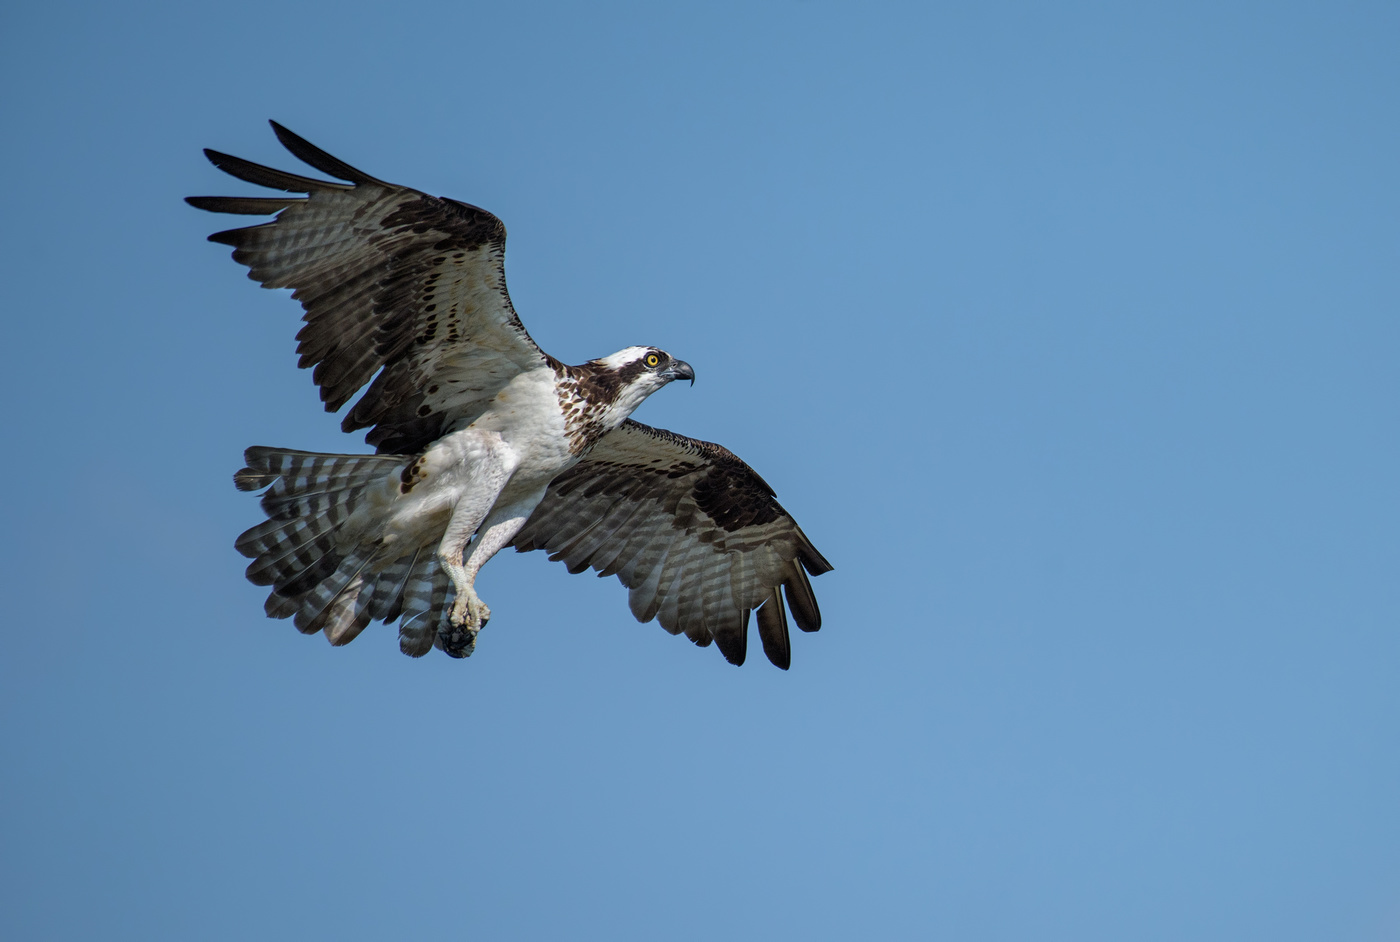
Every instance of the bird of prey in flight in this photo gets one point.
(483, 440)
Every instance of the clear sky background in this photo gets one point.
(1068, 332)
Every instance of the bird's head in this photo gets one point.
(633, 374)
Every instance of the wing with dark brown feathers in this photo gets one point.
(394, 282)
(691, 530)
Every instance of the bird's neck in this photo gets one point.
(595, 399)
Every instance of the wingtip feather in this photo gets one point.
(250, 172)
(312, 155)
(733, 641)
(802, 600)
(773, 631)
(243, 205)
(812, 561)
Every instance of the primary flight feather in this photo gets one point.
(484, 440)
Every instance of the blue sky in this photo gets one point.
(1068, 332)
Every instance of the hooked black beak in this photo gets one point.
(682, 370)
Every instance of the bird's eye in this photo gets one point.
(653, 359)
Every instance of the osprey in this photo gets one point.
(483, 440)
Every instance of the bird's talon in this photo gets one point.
(469, 612)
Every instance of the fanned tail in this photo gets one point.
(327, 568)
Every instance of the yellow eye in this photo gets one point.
(653, 359)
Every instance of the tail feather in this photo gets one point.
(319, 597)
(288, 551)
(387, 602)
(306, 472)
(256, 542)
(312, 504)
(280, 606)
(348, 614)
(418, 621)
(322, 578)
(309, 579)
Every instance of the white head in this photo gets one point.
(627, 377)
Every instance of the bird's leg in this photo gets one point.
(467, 516)
(489, 466)
(495, 534)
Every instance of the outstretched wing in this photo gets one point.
(394, 282)
(691, 530)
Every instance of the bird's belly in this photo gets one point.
(544, 460)
(472, 464)
(532, 429)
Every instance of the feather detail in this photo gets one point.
(397, 286)
(320, 583)
(691, 530)
(773, 631)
